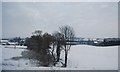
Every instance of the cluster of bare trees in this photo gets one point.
(51, 45)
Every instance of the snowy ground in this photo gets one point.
(10, 51)
(0, 57)
(93, 58)
(81, 57)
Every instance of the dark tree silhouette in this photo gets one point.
(69, 34)
(41, 44)
(37, 33)
(58, 42)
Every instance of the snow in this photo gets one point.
(14, 46)
(93, 58)
(8, 63)
(0, 57)
(80, 57)
(11, 52)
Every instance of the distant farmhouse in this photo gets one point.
(6, 42)
(3, 42)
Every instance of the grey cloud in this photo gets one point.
(89, 19)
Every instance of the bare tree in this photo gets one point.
(58, 42)
(68, 34)
(37, 33)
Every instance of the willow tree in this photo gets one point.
(68, 34)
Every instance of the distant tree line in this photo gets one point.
(50, 46)
(19, 40)
(104, 42)
(109, 42)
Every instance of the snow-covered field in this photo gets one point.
(93, 58)
(0, 57)
(11, 51)
(81, 57)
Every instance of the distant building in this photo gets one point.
(12, 43)
(4, 42)
(98, 40)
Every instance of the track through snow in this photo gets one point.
(80, 57)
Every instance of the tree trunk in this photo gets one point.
(65, 59)
(58, 52)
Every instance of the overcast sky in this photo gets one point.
(89, 19)
(0, 20)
